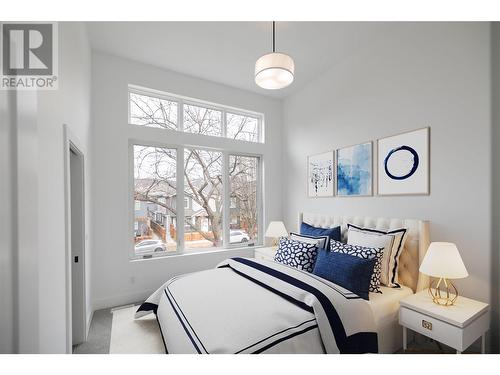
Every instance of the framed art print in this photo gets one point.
(320, 175)
(403, 163)
(354, 170)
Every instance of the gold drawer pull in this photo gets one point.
(427, 325)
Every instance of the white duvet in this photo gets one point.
(254, 306)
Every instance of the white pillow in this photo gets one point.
(321, 242)
(392, 242)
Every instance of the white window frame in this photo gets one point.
(260, 137)
(181, 100)
(179, 141)
(260, 199)
(153, 94)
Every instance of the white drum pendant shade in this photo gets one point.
(274, 71)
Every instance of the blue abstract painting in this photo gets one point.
(354, 170)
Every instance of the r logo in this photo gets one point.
(27, 49)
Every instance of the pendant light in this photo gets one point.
(274, 70)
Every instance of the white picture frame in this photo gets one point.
(403, 163)
(321, 175)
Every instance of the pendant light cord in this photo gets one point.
(274, 36)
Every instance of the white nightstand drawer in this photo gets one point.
(456, 337)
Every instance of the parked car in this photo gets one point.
(150, 246)
(238, 236)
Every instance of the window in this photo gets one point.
(196, 194)
(155, 184)
(203, 185)
(244, 128)
(171, 112)
(243, 179)
(202, 120)
(154, 112)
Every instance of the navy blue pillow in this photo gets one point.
(331, 233)
(348, 271)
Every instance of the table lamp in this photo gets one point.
(443, 262)
(275, 230)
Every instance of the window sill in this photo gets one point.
(195, 252)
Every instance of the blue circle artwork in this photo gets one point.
(392, 154)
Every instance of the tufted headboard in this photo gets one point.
(413, 252)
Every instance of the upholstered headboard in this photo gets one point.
(415, 246)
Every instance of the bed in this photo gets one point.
(256, 306)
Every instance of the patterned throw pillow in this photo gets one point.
(393, 243)
(365, 253)
(296, 254)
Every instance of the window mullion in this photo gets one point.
(180, 199)
(260, 201)
(224, 124)
(180, 116)
(226, 206)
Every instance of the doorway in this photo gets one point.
(76, 314)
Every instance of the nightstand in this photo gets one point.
(457, 326)
(265, 253)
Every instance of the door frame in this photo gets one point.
(72, 144)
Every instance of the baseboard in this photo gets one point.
(89, 321)
(123, 299)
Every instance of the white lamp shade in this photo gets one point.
(276, 229)
(443, 260)
(274, 71)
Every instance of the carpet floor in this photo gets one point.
(115, 331)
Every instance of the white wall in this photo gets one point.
(69, 105)
(495, 106)
(415, 75)
(117, 280)
(7, 191)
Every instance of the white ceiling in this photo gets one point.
(225, 52)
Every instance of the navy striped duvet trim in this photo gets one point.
(336, 325)
(161, 332)
(290, 299)
(270, 345)
(278, 333)
(147, 306)
(193, 341)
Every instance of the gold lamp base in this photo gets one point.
(446, 297)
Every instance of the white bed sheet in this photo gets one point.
(385, 309)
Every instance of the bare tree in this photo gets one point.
(243, 178)
(156, 169)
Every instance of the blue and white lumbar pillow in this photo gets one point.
(364, 253)
(300, 255)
